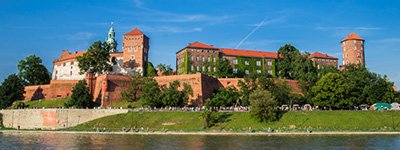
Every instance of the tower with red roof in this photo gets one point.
(135, 47)
(353, 50)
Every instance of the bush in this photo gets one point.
(263, 106)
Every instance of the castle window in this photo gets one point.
(136, 48)
(234, 61)
(197, 68)
(191, 58)
(215, 69)
(209, 69)
(258, 71)
(258, 63)
(246, 71)
(270, 71)
(72, 63)
(269, 63)
(129, 49)
(246, 62)
(192, 68)
(64, 64)
(70, 73)
(234, 70)
(204, 59)
(133, 57)
(214, 59)
(203, 68)
(197, 58)
(208, 59)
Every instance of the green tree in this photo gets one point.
(244, 92)
(132, 93)
(224, 97)
(286, 56)
(11, 89)
(32, 71)
(151, 94)
(172, 97)
(81, 97)
(151, 72)
(224, 69)
(331, 91)
(96, 59)
(165, 69)
(263, 106)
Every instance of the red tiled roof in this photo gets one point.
(320, 55)
(247, 53)
(200, 45)
(66, 55)
(352, 36)
(135, 31)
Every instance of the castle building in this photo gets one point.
(199, 57)
(323, 60)
(131, 61)
(353, 50)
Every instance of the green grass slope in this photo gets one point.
(290, 121)
(55, 103)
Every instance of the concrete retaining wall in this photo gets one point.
(53, 118)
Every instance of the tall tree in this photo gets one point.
(331, 91)
(263, 106)
(225, 97)
(96, 59)
(81, 97)
(165, 69)
(151, 94)
(286, 56)
(224, 69)
(172, 97)
(32, 71)
(11, 89)
(151, 71)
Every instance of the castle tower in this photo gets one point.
(111, 39)
(135, 47)
(353, 50)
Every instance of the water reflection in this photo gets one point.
(43, 140)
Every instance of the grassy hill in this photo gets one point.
(55, 103)
(241, 121)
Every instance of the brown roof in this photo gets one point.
(247, 53)
(200, 45)
(320, 55)
(352, 36)
(135, 31)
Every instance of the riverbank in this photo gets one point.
(202, 133)
(238, 122)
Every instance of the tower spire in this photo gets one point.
(111, 38)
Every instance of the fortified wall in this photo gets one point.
(53, 118)
(106, 89)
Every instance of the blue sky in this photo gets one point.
(45, 27)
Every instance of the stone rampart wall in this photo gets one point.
(53, 118)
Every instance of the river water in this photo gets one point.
(42, 140)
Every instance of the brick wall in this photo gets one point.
(56, 89)
(106, 89)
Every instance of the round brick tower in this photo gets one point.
(353, 50)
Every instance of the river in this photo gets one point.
(46, 140)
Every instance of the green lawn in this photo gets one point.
(55, 103)
(291, 121)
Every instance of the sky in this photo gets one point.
(46, 27)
